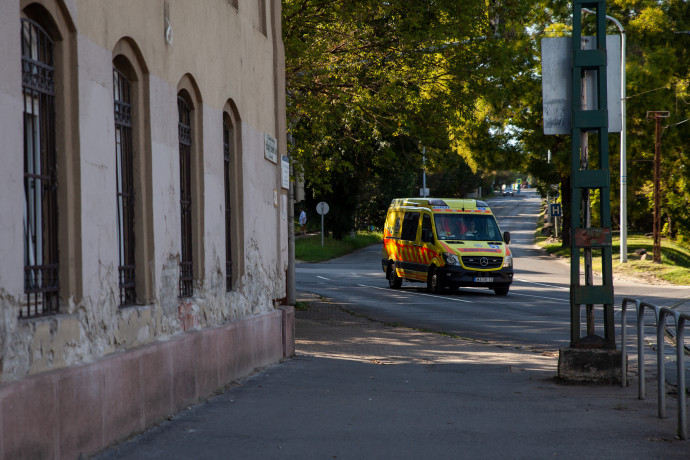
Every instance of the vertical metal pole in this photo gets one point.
(624, 337)
(660, 369)
(680, 366)
(624, 167)
(321, 230)
(657, 201)
(641, 390)
(576, 192)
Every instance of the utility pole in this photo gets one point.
(623, 155)
(587, 176)
(657, 115)
(590, 357)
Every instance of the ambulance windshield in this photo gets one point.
(466, 227)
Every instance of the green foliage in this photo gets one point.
(674, 267)
(368, 84)
(657, 79)
(453, 177)
(309, 248)
(302, 306)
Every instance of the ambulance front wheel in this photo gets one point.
(394, 281)
(433, 282)
(501, 290)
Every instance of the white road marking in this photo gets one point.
(418, 293)
(512, 293)
(542, 284)
(323, 278)
(538, 297)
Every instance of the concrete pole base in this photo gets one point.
(577, 365)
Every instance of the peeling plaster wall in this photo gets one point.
(90, 325)
(261, 230)
(11, 180)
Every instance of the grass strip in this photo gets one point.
(309, 249)
(675, 258)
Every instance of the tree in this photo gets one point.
(658, 79)
(657, 68)
(370, 82)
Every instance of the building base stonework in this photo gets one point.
(80, 410)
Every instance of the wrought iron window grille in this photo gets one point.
(41, 257)
(124, 163)
(185, 141)
(228, 209)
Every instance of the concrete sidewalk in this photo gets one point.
(361, 389)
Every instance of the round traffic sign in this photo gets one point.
(322, 208)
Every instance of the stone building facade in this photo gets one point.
(143, 212)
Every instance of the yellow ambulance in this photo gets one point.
(445, 243)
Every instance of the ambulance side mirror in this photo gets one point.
(506, 237)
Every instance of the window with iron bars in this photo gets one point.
(41, 262)
(228, 209)
(185, 141)
(122, 95)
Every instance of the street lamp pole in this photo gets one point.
(623, 155)
(624, 165)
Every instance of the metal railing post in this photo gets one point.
(642, 392)
(661, 369)
(624, 335)
(680, 366)
(624, 354)
(660, 314)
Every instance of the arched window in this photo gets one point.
(135, 242)
(234, 207)
(41, 264)
(227, 154)
(185, 143)
(124, 167)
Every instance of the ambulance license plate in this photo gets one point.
(483, 279)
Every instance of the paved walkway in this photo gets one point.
(358, 389)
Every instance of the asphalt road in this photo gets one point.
(535, 313)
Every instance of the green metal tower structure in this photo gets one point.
(589, 175)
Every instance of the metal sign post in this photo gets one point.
(322, 209)
(587, 178)
(556, 211)
(586, 111)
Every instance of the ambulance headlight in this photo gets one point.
(508, 261)
(450, 259)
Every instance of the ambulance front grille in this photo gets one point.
(482, 262)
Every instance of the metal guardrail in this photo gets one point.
(660, 314)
